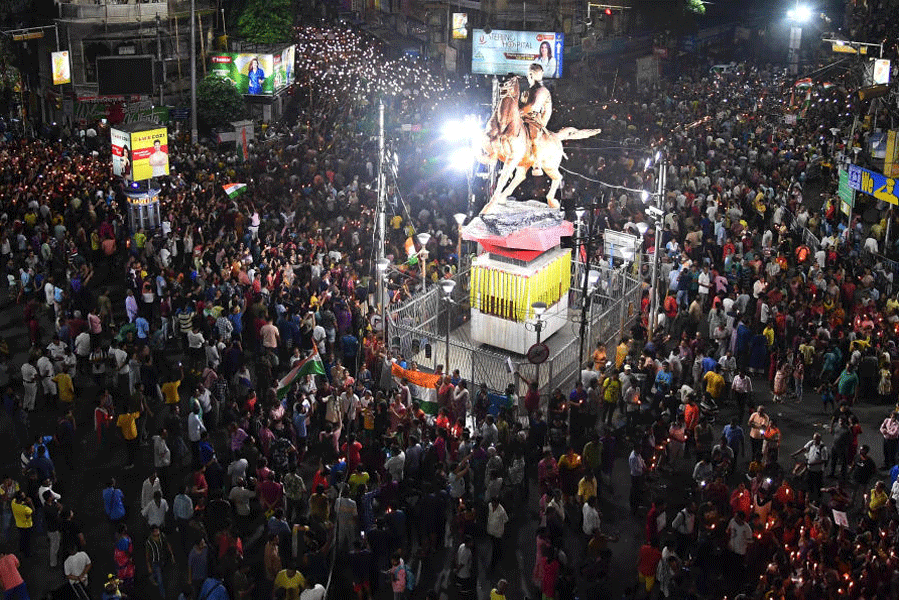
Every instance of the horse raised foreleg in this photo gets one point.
(556, 180)
(520, 174)
(504, 175)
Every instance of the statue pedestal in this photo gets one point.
(523, 263)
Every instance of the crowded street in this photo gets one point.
(208, 407)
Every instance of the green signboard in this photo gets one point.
(845, 191)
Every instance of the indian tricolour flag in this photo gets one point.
(234, 189)
(311, 365)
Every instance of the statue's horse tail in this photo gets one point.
(573, 133)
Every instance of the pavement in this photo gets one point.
(81, 487)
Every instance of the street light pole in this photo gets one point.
(193, 72)
(460, 220)
(446, 289)
(381, 266)
(423, 239)
(660, 223)
(539, 308)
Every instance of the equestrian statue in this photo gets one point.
(517, 136)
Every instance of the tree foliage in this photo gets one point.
(266, 21)
(218, 103)
(696, 6)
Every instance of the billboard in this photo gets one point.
(150, 153)
(125, 75)
(121, 153)
(251, 74)
(61, 68)
(140, 155)
(501, 52)
(881, 72)
(283, 68)
(460, 26)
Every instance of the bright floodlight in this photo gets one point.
(423, 238)
(447, 286)
(539, 308)
(464, 130)
(461, 159)
(800, 14)
(644, 195)
(460, 218)
(642, 227)
(381, 265)
(453, 131)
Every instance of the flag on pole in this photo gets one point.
(411, 252)
(234, 189)
(311, 365)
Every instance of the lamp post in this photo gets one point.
(539, 308)
(381, 266)
(592, 282)
(798, 15)
(660, 222)
(460, 220)
(423, 239)
(446, 290)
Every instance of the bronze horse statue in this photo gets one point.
(507, 139)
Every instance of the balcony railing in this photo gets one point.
(113, 13)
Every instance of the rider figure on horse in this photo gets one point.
(536, 108)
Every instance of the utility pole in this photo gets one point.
(193, 72)
(381, 224)
(161, 63)
(660, 224)
(585, 291)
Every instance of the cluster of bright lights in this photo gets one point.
(465, 135)
(800, 14)
(342, 63)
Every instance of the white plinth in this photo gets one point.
(515, 336)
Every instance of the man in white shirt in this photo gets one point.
(156, 510)
(315, 592)
(46, 372)
(496, 528)
(149, 488)
(195, 429)
(240, 498)
(83, 350)
(29, 380)
(396, 463)
(591, 517)
(637, 467)
(76, 568)
(739, 534)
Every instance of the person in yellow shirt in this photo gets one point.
(127, 424)
(290, 580)
(599, 357)
(621, 352)
(768, 332)
(586, 488)
(499, 592)
(714, 383)
(877, 500)
(22, 509)
(65, 387)
(170, 392)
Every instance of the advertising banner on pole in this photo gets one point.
(874, 184)
(62, 68)
(121, 153)
(150, 153)
(501, 52)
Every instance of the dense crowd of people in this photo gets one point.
(233, 362)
